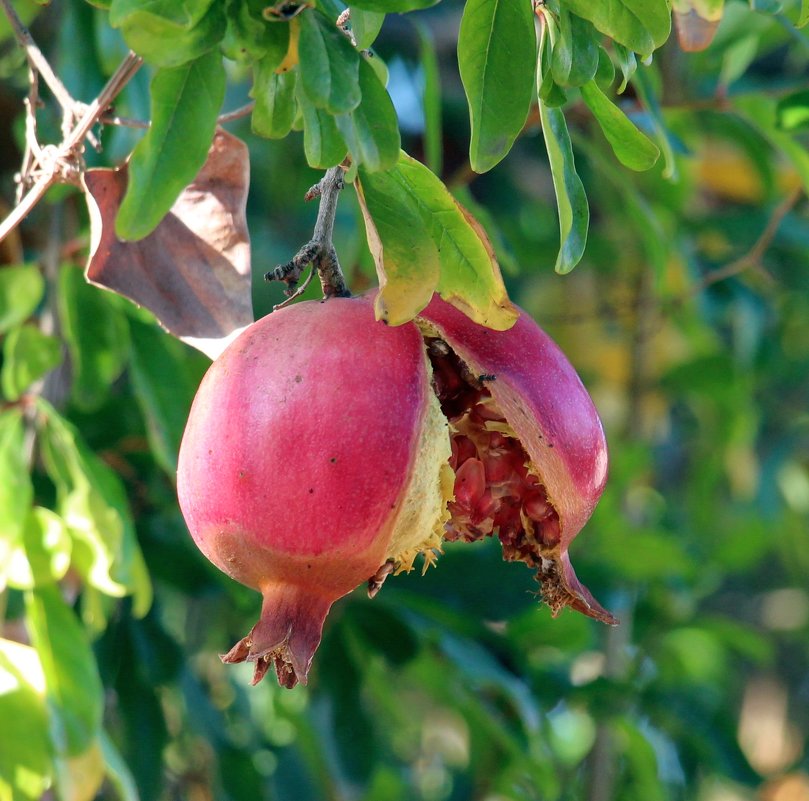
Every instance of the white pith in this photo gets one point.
(422, 513)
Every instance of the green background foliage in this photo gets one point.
(686, 317)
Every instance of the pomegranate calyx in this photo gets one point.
(286, 636)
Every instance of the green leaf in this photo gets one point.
(392, 6)
(72, 685)
(276, 106)
(640, 25)
(185, 104)
(575, 51)
(371, 131)
(627, 63)
(365, 25)
(118, 773)
(792, 112)
(497, 60)
(21, 290)
(803, 16)
(97, 336)
(644, 88)
(25, 747)
(250, 37)
(16, 490)
(91, 500)
(632, 148)
(44, 553)
(322, 142)
(431, 101)
(329, 64)
(164, 384)
(422, 239)
(167, 33)
(571, 201)
(28, 355)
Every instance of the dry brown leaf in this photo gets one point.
(193, 271)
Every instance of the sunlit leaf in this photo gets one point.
(72, 684)
(167, 33)
(185, 103)
(497, 60)
(365, 25)
(25, 747)
(43, 554)
(16, 490)
(93, 505)
(421, 239)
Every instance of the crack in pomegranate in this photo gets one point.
(496, 492)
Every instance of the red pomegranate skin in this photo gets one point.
(544, 401)
(297, 449)
(316, 455)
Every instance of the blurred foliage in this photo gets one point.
(688, 319)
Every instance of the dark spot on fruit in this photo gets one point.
(298, 379)
(333, 459)
(311, 490)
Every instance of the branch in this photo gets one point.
(228, 116)
(319, 250)
(62, 161)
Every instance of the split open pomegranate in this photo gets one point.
(325, 450)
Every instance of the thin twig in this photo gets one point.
(237, 113)
(128, 122)
(63, 161)
(319, 250)
(38, 62)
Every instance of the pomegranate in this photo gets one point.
(325, 450)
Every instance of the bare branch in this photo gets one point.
(63, 162)
(319, 250)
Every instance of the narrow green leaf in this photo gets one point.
(97, 336)
(497, 60)
(640, 25)
(407, 202)
(72, 685)
(21, 289)
(167, 33)
(371, 131)
(322, 142)
(185, 104)
(431, 101)
(548, 91)
(118, 772)
(365, 25)
(276, 105)
(645, 89)
(165, 382)
(329, 65)
(632, 148)
(575, 51)
(571, 201)
(803, 16)
(393, 6)
(25, 749)
(28, 355)
(16, 490)
(92, 502)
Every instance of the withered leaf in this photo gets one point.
(193, 271)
